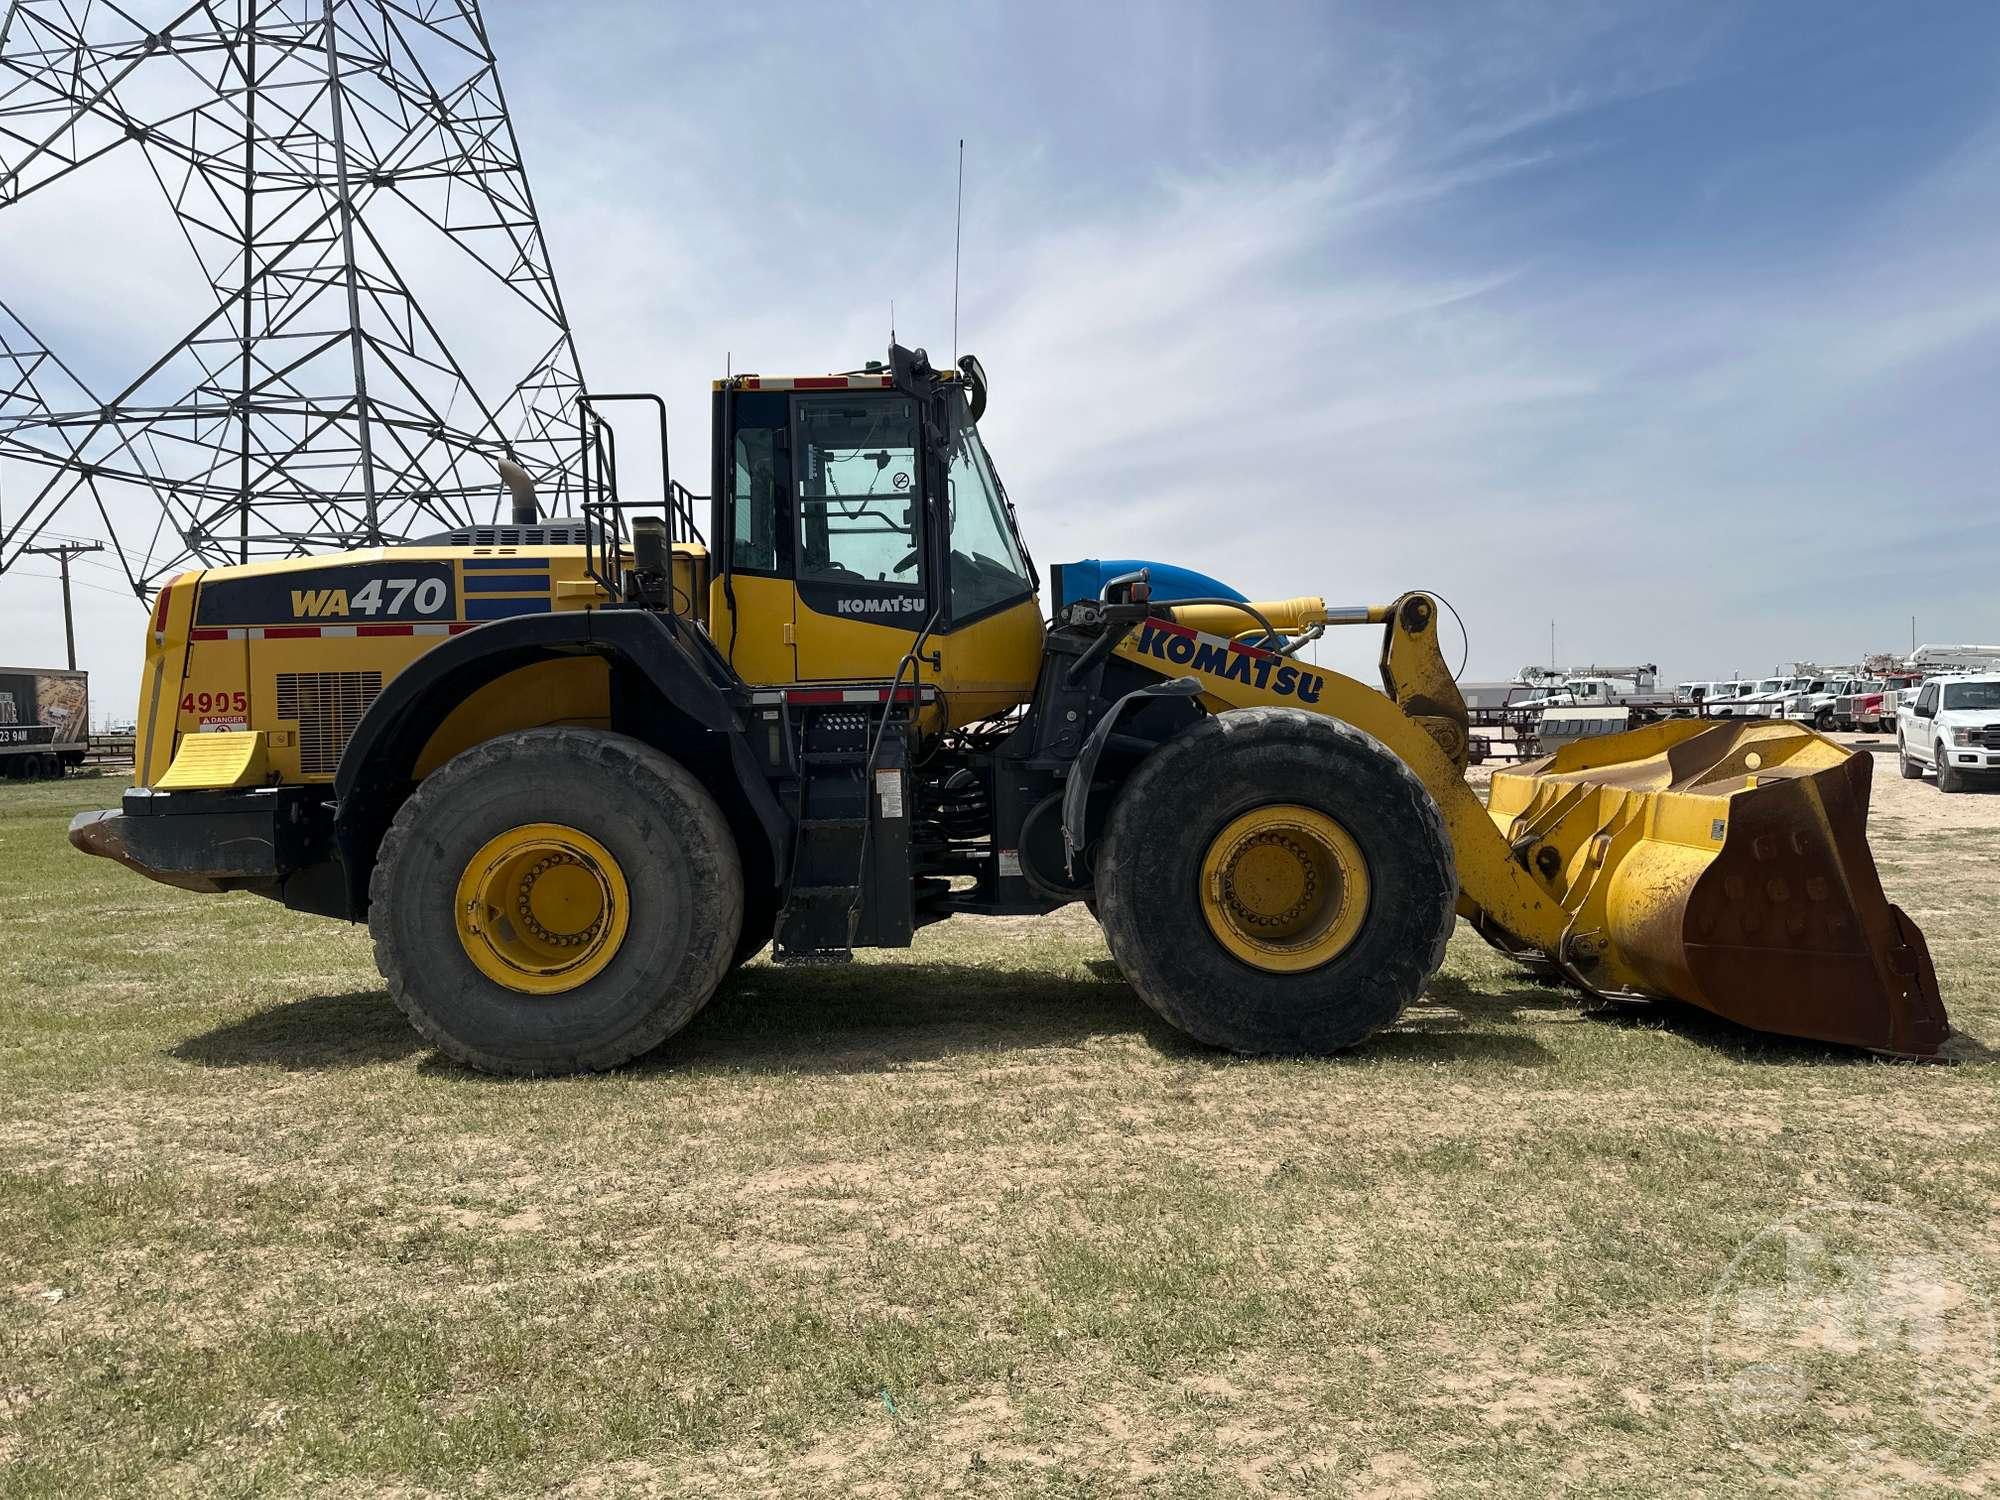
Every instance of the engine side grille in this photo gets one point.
(327, 706)
(561, 531)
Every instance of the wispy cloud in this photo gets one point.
(1656, 323)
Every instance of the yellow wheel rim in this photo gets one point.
(542, 908)
(1284, 888)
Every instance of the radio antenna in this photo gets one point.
(957, 236)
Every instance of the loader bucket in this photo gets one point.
(1725, 865)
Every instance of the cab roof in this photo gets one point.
(869, 380)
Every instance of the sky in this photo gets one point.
(1676, 327)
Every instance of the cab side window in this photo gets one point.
(753, 543)
(753, 473)
(860, 492)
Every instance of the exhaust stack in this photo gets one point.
(521, 485)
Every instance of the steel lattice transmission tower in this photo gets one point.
(306, 148)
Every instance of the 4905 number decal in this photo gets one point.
(215, 703)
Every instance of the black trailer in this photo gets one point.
(44, 722)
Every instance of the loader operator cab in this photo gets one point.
(855, 514)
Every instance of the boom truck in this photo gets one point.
(571, 772)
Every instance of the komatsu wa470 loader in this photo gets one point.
(571, 772)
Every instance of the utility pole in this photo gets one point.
(62, 553)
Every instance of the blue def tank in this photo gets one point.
(1085, 580)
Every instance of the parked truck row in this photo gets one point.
(1544, 708)
(1864, 697)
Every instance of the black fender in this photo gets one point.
(1076, 795)
(697, 720)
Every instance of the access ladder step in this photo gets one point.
(817, 925)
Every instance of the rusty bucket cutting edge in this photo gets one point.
(1725, 865)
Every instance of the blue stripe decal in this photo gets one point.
(500, 609)
(501, 564)
(506, 583)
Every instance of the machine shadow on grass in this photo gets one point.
(1766, 1048)
(320, 1033)
(865, 1018)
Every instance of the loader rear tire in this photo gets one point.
(629, 891)
(1316, 800)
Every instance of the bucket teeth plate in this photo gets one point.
(1725, 865)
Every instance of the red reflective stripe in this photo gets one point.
(463, 625)
(208, 635)
(384, 630)
(820, 383)
(160, 608)
(817, 695)
(290, 632)
(1174, 627)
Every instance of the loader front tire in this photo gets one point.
(555, 901)
(1274, 881)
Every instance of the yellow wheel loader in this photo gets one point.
(571, 771)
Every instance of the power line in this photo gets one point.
(96, 588)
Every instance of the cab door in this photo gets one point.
(751, 603)
(859, 548)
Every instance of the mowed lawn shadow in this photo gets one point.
(865, 1017)
(1741, 1044)
(1690, 1022)
(847, 1018)
(860, 1018)
(321, 1032)
(868, 1017)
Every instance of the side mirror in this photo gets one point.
(975, 375)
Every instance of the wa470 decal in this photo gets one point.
(391, 591)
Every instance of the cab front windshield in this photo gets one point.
(987, 566)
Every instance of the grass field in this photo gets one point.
(970, 1221)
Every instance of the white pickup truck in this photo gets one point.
(1950, 725)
